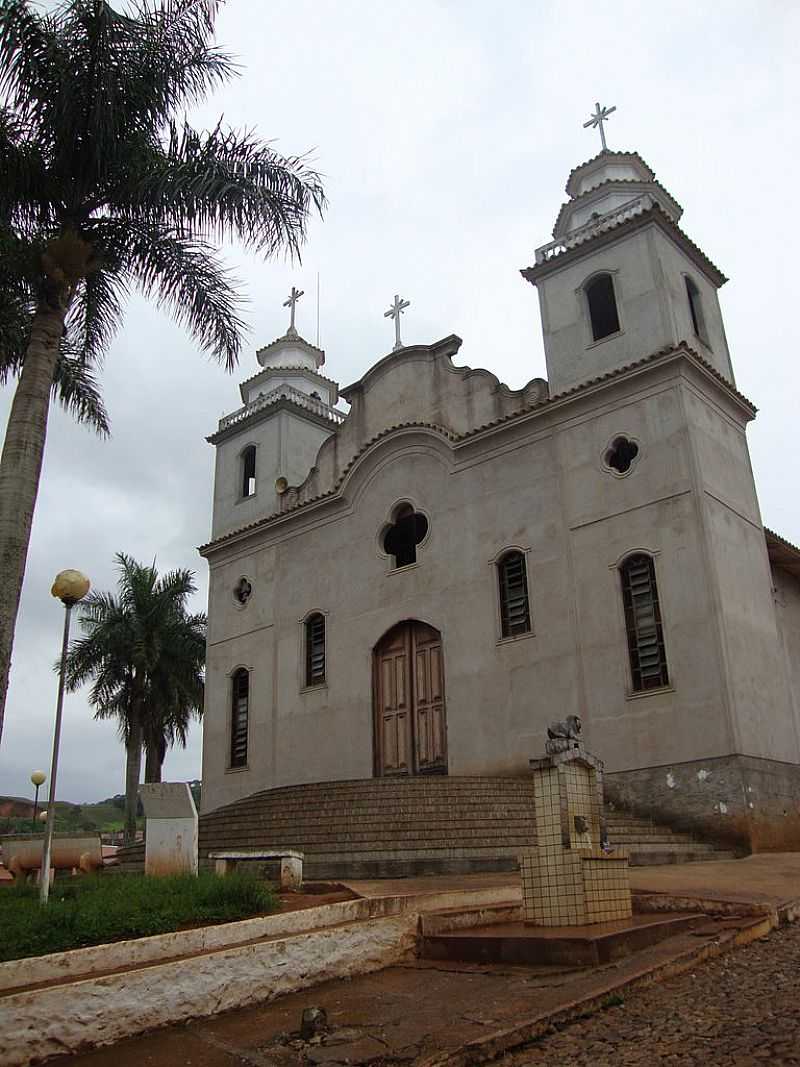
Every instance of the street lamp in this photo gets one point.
(69, 587)
(37, 778)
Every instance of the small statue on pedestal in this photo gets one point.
(562, 736)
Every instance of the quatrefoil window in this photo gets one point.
(621, 454)
(407, 530)
(243, 591)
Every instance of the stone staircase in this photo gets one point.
(385, 827)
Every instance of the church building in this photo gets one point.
(418, 587)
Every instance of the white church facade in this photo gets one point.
(420, 586)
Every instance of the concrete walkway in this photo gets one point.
(771, 879)
(768, 877)
(458, 1014)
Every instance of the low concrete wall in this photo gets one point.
(751, 804)
(85, 962)
(71, 1018)
(293, 951)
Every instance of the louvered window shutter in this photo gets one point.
(643, 624)
(239, 715)
(315, 650)
(514, 610)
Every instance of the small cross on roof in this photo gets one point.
(294, 296)
(394, 312)
(598, 117)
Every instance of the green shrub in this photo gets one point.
(95, 909)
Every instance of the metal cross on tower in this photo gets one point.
(394, 312)
(294, 296)
(600, 116)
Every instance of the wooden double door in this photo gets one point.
(408, 694)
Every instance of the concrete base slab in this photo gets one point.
(571, 946)
(425, 1012)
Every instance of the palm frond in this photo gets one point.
(96, 312)
(28, 54)
(76, 388)
(228, 184)
(183, 275)
(143, 653)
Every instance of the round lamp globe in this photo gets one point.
(70, 586)
(38, 777)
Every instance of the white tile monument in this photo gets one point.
(171, 828)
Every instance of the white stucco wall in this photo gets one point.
(536, 483)
(286, 445)
(648, 270)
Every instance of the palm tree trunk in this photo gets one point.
(20, 468)
(133, 771)
(154, 757)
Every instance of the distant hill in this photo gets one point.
(106, 815)
(15, 807)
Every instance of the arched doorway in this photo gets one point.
(410, 732)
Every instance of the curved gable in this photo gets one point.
(416, 386)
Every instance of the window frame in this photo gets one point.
(243, 454)
(583, 291)
(237, 673)
(607, 468)
(497, 566)
(308, 680)
(397, 506)
(697, 317)
(637, 686)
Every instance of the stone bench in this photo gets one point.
(226, 861)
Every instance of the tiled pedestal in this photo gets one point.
(567, 879)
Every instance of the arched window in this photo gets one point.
(643, 623)
(602, 306)
(249, 471)
(403, 536)
(515, 616)
(315, 649)
(240, 708)
(696, 310)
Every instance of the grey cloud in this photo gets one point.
(446, 131)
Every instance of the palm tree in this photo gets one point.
(103, 186)
(144, 654)
(176, 689)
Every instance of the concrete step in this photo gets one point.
(377, 827)
(581, 946)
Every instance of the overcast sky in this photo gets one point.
(445, 131)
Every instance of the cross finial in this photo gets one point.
(599, 116)
(294, 296)
(394, 312)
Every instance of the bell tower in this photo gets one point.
(271, 442)
(620, 279)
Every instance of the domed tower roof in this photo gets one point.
(607, 183)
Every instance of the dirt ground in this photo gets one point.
(404, 1014)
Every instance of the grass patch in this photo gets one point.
(94, 909)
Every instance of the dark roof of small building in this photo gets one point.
(782, 553)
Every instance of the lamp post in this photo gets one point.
(37, 778)
(69, 587)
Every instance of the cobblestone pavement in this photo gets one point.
(738, 1010)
